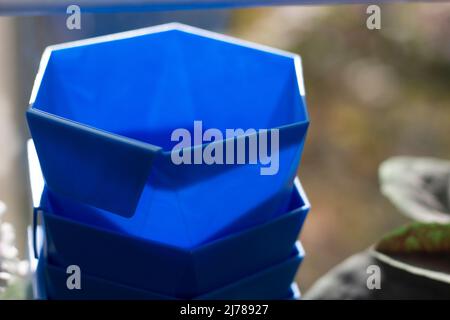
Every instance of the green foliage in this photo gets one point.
(417, 238)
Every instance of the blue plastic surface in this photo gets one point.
(123, 292)
(39, 281)
(103, 111)
(174, 271)
(45, 7)
(294, 293)
(271, 283)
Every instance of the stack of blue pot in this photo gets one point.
(169, 156)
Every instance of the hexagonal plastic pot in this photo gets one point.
(294, 293)
(103, 111)
(271, 283)
(182, 273)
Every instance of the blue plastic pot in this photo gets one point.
(103, 111)
(124, 291)
(166, 269)
(294, 293)
(271, 283)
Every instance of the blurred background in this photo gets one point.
(371, 94)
